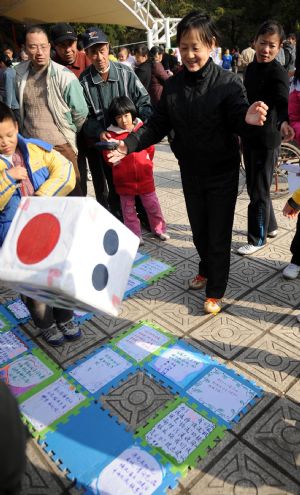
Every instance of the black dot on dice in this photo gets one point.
(111, 242)
(100, 277)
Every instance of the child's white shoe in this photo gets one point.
(163, 236)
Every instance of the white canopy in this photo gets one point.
(85, 11)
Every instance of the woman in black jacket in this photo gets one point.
(143, 65)
(206, 107)
(267, 80)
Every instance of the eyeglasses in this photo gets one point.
(35, 48)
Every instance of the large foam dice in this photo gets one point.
(68, 252)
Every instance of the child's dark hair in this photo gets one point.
(6, 113)
(270, 27)
(119, 106)
(201, 22)
(5, 60)
(156, 50)
(141, 50)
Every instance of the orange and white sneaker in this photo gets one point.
(212, 306)
(198, 282)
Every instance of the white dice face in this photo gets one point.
(68, 252)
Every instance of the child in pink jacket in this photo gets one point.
(133, 175)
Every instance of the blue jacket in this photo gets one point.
(50, 173)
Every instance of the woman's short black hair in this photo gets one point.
(202, 23)
(6, 113)
(156, 50)
(119, 106)
(270, 27)
(141, 50)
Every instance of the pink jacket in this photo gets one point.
(134, 174)
(294, 109)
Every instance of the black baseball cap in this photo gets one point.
(92, 36)
(62, 32)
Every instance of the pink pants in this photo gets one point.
(153, 210)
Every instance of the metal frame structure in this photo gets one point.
(159, 28)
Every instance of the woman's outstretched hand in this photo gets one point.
(114, 156)
(257, 113)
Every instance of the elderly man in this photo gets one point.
(101, 82)
(52, 105)
(64, 40)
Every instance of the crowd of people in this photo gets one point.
(63, 101)
(75, 95)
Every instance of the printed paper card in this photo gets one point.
(180, 364)
(81, 316)
(134, 472)
(10, 347)
(222, 394)
(151, 270)
(28, 372)
(19, 310)
(7, 322)
(134, 285)
(139, 257)
(43, 409)
(142, 341)
(181, 433)
(100, 369)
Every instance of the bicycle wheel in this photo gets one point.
(289, 153)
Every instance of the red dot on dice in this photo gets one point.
(38, 238)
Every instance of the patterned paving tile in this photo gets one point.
(181, 244)
(171, 201)
(91, 335)
(6, 294)
(277, 435)
(136, 399)
(294, 392)
(184, 312)
(42, 477)
(235, 289)
(173, 216)
(185, 271)
(240, 222)
(249, 272)
(287, 291)
(272, 360)
(289, 329)
(284, 222)
(131, 312)
(260, 309)
(226, 335)
(240, 471)
(274, 256)
(158, 293)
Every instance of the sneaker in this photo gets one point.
(163, 236)
(70, 330)
(53, 336)
(142, 242)
(198, 282)
(249, 249)
(291, 271)
(212, 305)
(272, 234)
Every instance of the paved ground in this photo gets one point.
(256, 334)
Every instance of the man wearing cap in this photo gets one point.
(101, 82)
(64, 40)
(52, 104)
